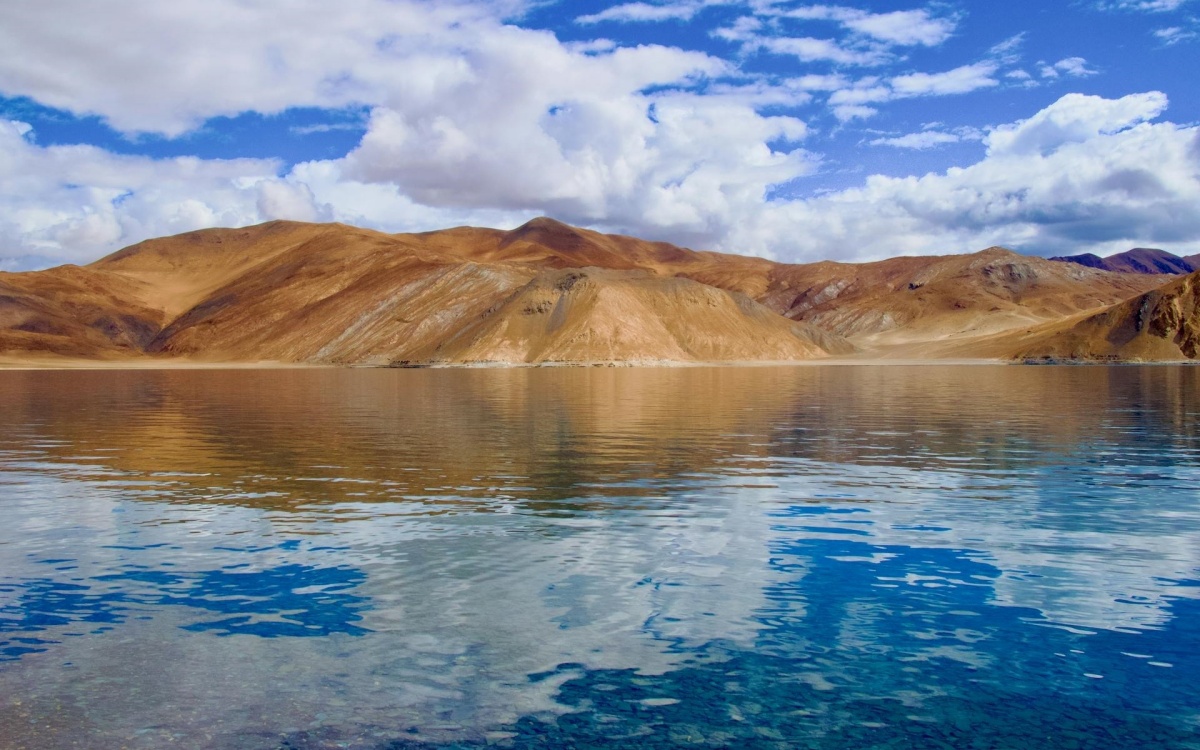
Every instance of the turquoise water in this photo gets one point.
(807, 557)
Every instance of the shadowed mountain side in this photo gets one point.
(1163, 324)
(75, 312)
(594, 314)
(180, 271)
(1138, 260)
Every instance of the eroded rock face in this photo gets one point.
(1175, 316)
(1163, 324)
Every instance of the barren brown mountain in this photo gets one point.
(1163, 324)
(542, 293)
(1137, 260)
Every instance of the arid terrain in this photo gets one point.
(549, 293)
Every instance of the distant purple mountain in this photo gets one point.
(1138, 260)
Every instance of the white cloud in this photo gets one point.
(74, 203)
(1175, 35)
(150, 66)
(1007, 49)
(810, 49)
(644, 12)
(1152, 6)
(679, 166)
(472, 120)
(325, 127)
(960, 80)
(848, 112)
(904, 27)
(1072, 67)
(869, 40)
(850, 103)
(1084, 174)
(476, 121)
(746, 29)
(1075, 118)
(929, 138)
(919, 141)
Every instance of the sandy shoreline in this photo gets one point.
(15, 364)
(150, 364)
(173, 364)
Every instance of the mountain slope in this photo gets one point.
(886, 303)
(599, 314)
(330, 293)
(293, 292)
(1138, 260)
(1163, 324)
(75, 312)
(905, 300)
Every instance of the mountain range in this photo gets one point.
(549, 293)
(1138, 260)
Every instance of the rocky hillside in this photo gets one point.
(290, 292)
(542, 293)
(1163, 324)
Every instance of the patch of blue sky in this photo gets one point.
(293, 136)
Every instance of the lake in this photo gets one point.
(749, 557)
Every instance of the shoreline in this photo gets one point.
(23, 364)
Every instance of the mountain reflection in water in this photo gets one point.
(752, 557)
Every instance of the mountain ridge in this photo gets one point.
(1145, 260)
(335, 294)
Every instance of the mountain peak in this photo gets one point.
(548, 232)
(544, 222)
(997, 250)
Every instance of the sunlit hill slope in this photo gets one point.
(539, 294)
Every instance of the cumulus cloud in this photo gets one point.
(1075, 118)
(166, 67)
(1085, 173)
(476, 121)
(680, 164)
(74, 203)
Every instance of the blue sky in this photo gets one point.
(795, 130)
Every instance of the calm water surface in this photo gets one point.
(809, 557)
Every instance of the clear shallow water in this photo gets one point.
(900, 557)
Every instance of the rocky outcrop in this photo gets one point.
(1163, 324)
